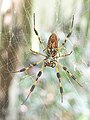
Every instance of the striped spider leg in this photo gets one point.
(60, 83)
(34, 84)
(68, 35)
(36, 80)
(69, 73)
(36, 32)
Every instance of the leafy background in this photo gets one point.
(45, 101)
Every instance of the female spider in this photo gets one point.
(50, 59)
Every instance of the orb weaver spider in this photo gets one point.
(51, 59)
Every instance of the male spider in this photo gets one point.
(51, 58)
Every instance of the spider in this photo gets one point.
(50, 59)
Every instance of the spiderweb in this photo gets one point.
(45, 102)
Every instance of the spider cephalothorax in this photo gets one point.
(50, 62)
(52, 52)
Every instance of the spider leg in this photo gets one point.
(28, 67)
(68, 35)
(61, 88)
(34, 84)
(36, 32)
(66, 54)
(37, 53)
(69, 73)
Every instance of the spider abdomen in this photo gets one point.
(52, 45)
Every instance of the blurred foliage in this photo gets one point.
(45, 101)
